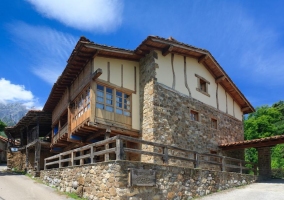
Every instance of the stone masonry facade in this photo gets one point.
(165, 118)
(109, 180)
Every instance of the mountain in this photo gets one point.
(11, 113)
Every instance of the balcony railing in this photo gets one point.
(93, 152)
(63, 130)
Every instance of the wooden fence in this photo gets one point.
(94, 152)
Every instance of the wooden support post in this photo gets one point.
(37, 155)
(255, 169)
(119, 150)
(44, 164)
(241, 167)
(107, 135)
(81, 160)
(72, 159)
(223, 164)
(166, 155)
(27, 158)
(196, 163)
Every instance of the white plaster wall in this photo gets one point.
(165, 76)
(115, 73)
(238, 111)
(230, 105)
(222, 98)
(164, 72)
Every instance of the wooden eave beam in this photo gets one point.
(167, 50)
(220, 79)
(108, 49)
(97, 73)
(245, 109)
(203, 58)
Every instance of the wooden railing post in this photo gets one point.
(92, 154)
(107, 135)
(166, 155)
(44, 164)
(196, 158)
(241, 167)
(81, 160)
(223, 163)
(59, 162)
(119, 149)
(71, 159)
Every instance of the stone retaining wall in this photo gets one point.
(109, 180)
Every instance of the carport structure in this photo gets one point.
(263, 146)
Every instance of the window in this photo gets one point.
(214, 123)
(202, 85)
(193, 115)
(122, 104)
(105, 100)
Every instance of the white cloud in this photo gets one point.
(89, 15)
(12, 93)
(46, 49)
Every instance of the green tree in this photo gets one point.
(2, 127)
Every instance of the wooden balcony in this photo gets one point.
(61, 135)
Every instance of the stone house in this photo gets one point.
(164, 91)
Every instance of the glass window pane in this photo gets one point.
(119, 105)
(126, 113)
(100, 87)
(118, 111)
(119, 94)
(128, 108)
(109, 96)
(100, 99)
(100, 93)
(126, 96)
(100, 106)
(109, 108)
(109, 102)
(108, 90)
(118, 99)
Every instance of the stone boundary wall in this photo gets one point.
(109, 180)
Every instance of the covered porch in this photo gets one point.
(263, 146)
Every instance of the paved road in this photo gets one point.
(270, 190)
(21, 187)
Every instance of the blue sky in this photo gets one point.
(37, 37)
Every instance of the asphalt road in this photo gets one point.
(21, 187)
(269, 190)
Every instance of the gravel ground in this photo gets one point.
(269, 190)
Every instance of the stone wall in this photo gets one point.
(165, 119)
(264, 162)
(109, 180)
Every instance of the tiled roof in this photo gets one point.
(262, 142)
